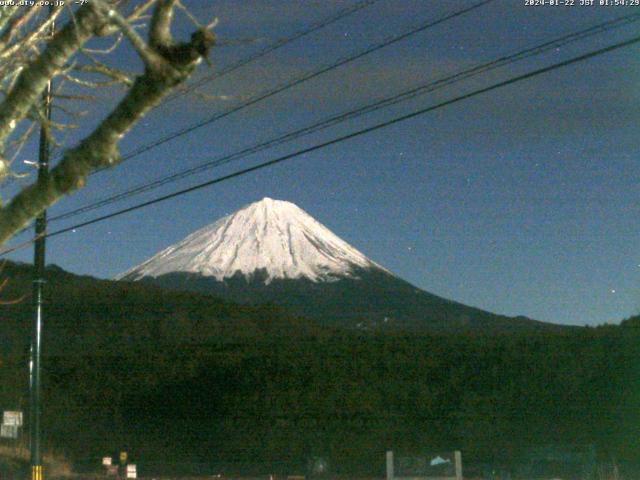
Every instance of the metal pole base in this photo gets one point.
(37, 472)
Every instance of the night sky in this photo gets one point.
(520, 201)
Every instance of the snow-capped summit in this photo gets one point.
(271, 236)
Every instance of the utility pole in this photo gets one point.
(38, 286)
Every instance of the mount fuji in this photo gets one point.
(271, 239)
(271, 251)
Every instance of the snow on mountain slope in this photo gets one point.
(270, 235)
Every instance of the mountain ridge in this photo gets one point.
(271, 251)
(371, 300)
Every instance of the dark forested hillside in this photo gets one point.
(371, 300)
(187, 383)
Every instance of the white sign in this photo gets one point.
(439, 461)
(106, 461)
(12, 418)
(131, 471)
(9, 431)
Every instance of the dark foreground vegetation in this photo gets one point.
(189, 384)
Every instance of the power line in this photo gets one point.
(225, 71)
(297, 81)
(377, 105)
(291, 84)
(343, 138)
(274, 46)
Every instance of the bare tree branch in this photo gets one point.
(160, 28)
(167, 64)
(30, 38)
(140, 10)
(7, 13)
(110, 72)
(33, 79)
(104, 51)
(15, 24)
(148, 55)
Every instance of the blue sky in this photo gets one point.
(521, 201)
